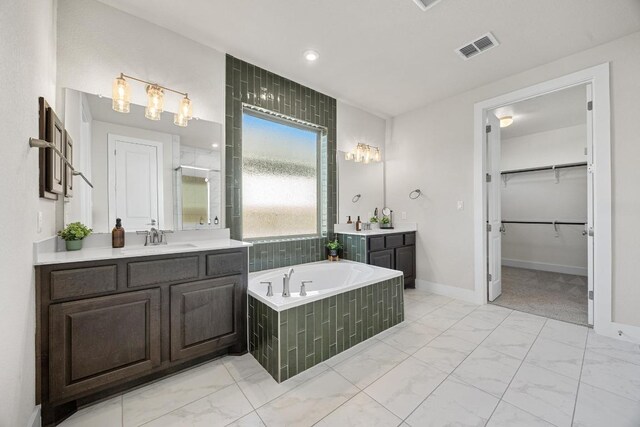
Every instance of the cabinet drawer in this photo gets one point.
(376, 243)
(206, 316)
(98, 341)
(410, 239)
(81, 282)
(394, 241)
(226, 264)
(144, 273)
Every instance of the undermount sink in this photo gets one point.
(158, 249)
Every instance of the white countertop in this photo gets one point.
(95, 247)
(350, 229)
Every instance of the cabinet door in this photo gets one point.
(382, 258)
(98, 341)
(206, 316)
(405, 262)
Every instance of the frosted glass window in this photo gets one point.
(280, 178)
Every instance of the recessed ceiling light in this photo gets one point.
(215, 145)
(311, 55)
(506, 121)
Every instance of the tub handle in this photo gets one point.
(269, 288)
(303, 290)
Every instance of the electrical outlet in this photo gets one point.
(39, 222)
(460, 205)
(404, 215)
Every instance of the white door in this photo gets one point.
(590, 234)
(135, 182)
(494, 214)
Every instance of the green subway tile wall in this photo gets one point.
(312, 333)
(354, 248)
(246, 83)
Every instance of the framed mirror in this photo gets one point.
(143, 171)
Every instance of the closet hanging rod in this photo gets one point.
(544, 168)
(545, 222)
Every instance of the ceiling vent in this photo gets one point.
(481, 45)
(425, 4)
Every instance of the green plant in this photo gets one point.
(74, 231)
(334, 245)
(373, 220)
(385, 220)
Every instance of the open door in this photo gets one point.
(494, 209)
(590, 199)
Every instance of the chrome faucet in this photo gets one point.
(153, 236)
(303, 287)
(285, 283)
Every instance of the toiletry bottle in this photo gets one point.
(358, 224)
(349, 220)
(117, 235)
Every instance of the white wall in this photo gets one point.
(537, 197)
(353, 126)
(432, 148)
(27, 31)
(100, 194)
(98, 42)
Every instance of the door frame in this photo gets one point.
(598, 77)
(111, 173)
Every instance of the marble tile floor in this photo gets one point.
(453, 363)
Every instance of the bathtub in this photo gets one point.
(346, 303)
(329, 278)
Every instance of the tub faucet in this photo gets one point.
(285, 283)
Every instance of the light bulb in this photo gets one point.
(155, 102)
(121, 95)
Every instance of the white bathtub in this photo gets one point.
(329, 278)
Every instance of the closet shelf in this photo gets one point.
(544, 168)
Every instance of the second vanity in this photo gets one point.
(109, 319)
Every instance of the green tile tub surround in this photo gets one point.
(288, 342)
(354, 248)
(244, 85)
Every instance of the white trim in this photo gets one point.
(35, 419)
(111, 172)
(543, 266)
(598, 77)
(446, 290)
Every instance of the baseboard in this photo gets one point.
(543, 266)
(619, 331)
(468, 295)
(35, 419)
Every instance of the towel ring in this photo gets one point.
(356, 198)
(415, 194)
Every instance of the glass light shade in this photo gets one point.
(120, 95)
(185, 109)
(377, 156)
(506, 121)
(152, 113)
(180, 120)
(155, 103)
(359, 154)
(367, 155)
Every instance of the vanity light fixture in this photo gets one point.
(364, 154)
(121, 94)
(506, 121)
(311, 55)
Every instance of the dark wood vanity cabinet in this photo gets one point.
(395, 251)
(106, 326)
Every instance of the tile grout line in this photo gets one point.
(584, 354)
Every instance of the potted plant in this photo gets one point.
(374, 222)
(385, 222)
(73, 234)
(334, 246)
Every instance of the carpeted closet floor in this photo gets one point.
(554, 295)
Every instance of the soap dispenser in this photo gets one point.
(117, 235)
(358, 224)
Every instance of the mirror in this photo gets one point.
(143, 171)
(365, 180)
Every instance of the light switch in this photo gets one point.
(460, 205)
(404, 215)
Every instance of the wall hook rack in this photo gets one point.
(39, 143)
(415, 194)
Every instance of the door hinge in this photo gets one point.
(488, 128)
(591, 295)
(489, 277)
(589, 105)
(488, 177)
(488, 227)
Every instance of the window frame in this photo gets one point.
(321, 176)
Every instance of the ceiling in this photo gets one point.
(199, 133)
(556, 110)
(387, 56)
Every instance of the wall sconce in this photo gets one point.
(121, 95)
(364, 154)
